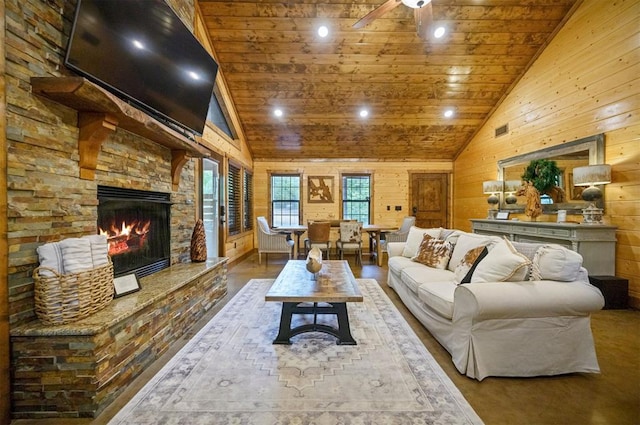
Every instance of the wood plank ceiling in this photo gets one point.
(271, 57)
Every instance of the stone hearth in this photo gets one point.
(78, 369)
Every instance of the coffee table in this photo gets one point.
(329, 291)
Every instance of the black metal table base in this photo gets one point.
(342, 332)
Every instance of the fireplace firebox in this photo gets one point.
(137, 226)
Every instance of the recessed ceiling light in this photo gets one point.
(138, 44)
(439, 32)
(323, 31)
(364, 113)
(278, 112)
(194, 75)
(448, 113)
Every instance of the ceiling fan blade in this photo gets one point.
(424, 21)
(377, 13)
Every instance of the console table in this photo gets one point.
(596, 243)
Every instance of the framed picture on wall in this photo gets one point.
(320, 189)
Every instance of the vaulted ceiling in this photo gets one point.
(272, 58)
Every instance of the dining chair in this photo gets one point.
(399, 235)
(350, 239)
(318, 235)
(270, 242)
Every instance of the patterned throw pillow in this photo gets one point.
(414, 239)
(433, 252)
(464, 270)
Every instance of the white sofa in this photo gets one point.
(491, 327)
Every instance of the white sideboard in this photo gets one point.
(596, 243)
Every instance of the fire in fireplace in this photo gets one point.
(136, 224)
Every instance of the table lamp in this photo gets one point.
(510, 188)
(592, 175)
(492, 188)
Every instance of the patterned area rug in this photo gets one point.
(231, 373)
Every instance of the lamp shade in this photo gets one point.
(492, 186)
(591, 175)
(511, 186)
(415, 4)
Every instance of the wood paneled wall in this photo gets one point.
(390, 186)
(586, 82)
(5, 399)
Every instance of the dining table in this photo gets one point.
(298, 230)
(375, 236)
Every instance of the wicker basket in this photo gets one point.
(61, 299)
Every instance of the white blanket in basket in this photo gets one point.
(73, 255)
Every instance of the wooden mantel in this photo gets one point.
(101, 112)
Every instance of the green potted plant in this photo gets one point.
(540, 176)
(543, 174)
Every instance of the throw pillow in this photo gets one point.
(414, 239)
(555, 262)
(469, 262)
(502, 264)
(433, 252)
(465, 243)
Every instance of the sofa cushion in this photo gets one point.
(503, 263)
(414, 239)
(418, 275)
(433, 252)
(555, 262)
(467, 266)
(398, 263)
(438, 296)
(465, 243)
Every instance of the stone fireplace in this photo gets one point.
(137, 226)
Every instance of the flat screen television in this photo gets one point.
(143, 52)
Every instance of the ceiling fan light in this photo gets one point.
(415, 4)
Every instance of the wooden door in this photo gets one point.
(429, 199)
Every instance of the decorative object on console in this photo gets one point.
(592, 175)
(510, 189)
(492, 188)
(545, 175)
(198, 243)
(533, 208)
(562, 216)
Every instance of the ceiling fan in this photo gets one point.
(422, 12)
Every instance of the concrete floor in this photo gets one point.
(611, 397)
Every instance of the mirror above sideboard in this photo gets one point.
(586, 151)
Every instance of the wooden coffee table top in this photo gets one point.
(335, 283)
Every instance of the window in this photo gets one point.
(356, 197)
(285, 199)
(234, 194)
(239, 199)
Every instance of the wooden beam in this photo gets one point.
(178, 159)
(95, 127)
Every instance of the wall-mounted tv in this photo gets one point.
(143, 52)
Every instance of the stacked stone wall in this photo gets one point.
(47, 201)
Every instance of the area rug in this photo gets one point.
(231, 373)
